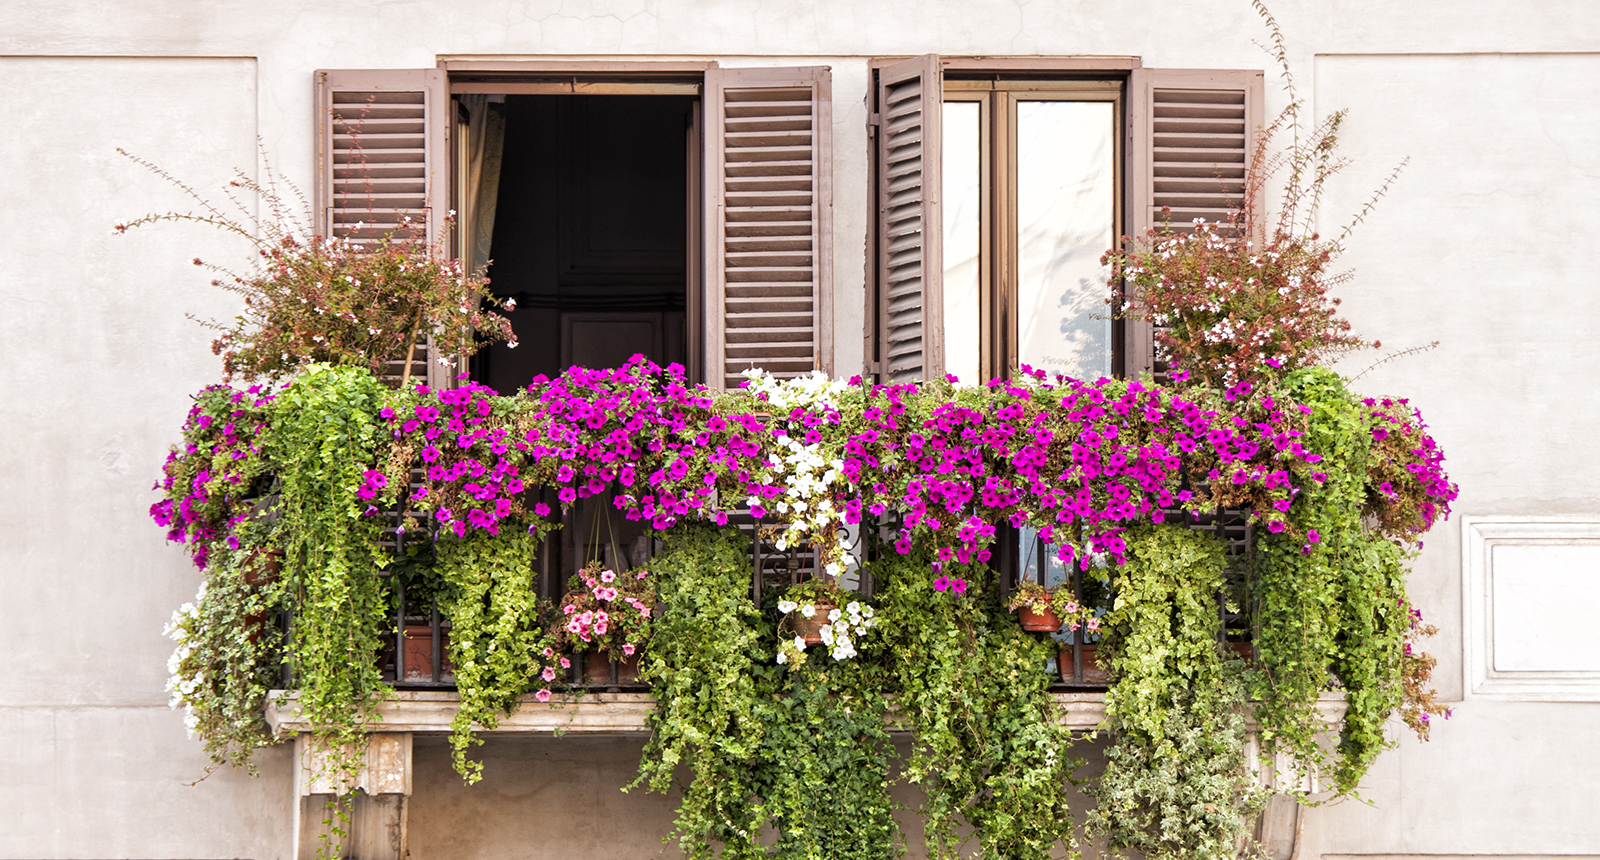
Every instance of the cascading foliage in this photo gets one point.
(1337, 488)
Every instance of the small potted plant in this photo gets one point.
(819, 612)
(606, 616)
(1043, 610)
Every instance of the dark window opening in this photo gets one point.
(591, 234)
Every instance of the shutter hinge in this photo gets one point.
(873, 121)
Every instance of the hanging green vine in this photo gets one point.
(498, 646)
(702, 669)
(326, 437)
(225, 661)
(1176, 783)
(987, 750)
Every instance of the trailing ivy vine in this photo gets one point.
(498, 646)
(1175, 783)
(325, 438)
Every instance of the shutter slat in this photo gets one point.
(768, 222)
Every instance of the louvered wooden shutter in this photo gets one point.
(1191, 134)
(910, 232)
(382, 159)
(769, 213)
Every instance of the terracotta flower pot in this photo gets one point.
(419, 654)
(1093, 672)
(810, 629)
(263, 567)
(1038, 622)
(597, 668)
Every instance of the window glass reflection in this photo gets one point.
(1065, 196)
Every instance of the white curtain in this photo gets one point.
(482, 146)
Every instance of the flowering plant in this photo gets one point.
(607, 611)
(1058, 601)
(1407, 488)
(309, 298)
(1228, 310)
(842, 621)
(208, 482)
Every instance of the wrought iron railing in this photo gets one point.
(415, 653)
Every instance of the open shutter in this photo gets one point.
(910, 236)
(1191, 134)
(382, 159)
(769, 213)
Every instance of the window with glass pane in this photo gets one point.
(1031, 185)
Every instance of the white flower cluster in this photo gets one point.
(181, 688)
(812, 477)
(844, 628)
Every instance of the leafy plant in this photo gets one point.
(607, 611)
(313, 299)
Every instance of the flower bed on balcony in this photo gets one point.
(1089, 465)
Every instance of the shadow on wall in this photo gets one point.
(561, 798)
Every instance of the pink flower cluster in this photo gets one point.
(1080, 461)
(204, 482)
(472, 473)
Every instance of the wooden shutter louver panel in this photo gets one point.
(1191, 135)
(769, 222)
(381, 153)
(910, 232)
(382, 158)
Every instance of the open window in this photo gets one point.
(682, 211)
(678, 210)
(1001, 183)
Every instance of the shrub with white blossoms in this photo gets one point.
(186, 680)
(812, 473)
(844, 629)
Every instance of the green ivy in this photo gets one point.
(326, 434)
(226, 659)
(1176, 781)
(987, 750)
(497, 642)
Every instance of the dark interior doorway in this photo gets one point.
(591, 233)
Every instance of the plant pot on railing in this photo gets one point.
(1094, 674)
(1035, 621)
(418, 641)
(597, 668)
(810, 629)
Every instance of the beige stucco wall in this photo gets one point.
(1483, 244)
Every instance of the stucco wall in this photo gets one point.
(1483, 244)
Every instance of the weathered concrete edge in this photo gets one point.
(619, 714)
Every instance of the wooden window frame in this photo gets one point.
(998, 259)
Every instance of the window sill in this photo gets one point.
(599, 714)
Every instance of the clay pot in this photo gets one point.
(597, 668)
(810, 629)
(263, 567)
(419, 654)
(1038, 622)
(1093, 673)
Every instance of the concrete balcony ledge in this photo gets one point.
(616, 714)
